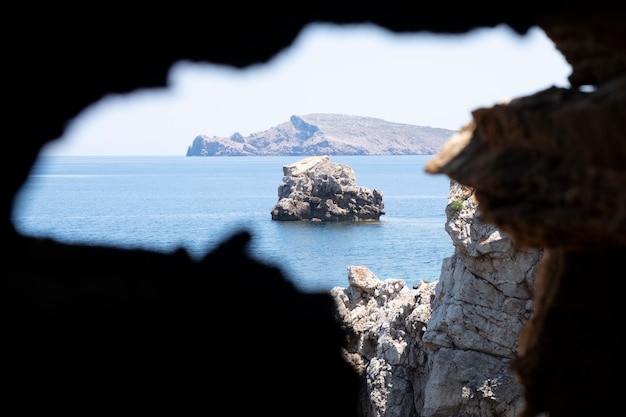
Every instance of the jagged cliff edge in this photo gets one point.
(444, 346)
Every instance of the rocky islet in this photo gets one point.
(316, 189)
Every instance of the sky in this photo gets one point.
(422, 79)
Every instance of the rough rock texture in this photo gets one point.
(483, 298)
(316, 189)
(549, 170)
(540, 164)
(385, 321)
(444, 348)
(327, 134)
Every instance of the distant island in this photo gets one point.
(327, 134)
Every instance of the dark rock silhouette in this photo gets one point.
(94, 328)
(86, 329)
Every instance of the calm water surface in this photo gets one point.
(163, 203)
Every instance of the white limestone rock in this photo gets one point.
(385, 321)
(443, 348)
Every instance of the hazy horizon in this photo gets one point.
(359, 70)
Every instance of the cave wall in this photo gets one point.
(96, 327)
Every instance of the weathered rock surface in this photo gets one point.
(570, 349)
(549, 170)
(385, 321)
(483, 298)
(327, 134)
(316, 189)
(445, 347)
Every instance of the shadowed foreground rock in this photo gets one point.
(95, 329)
(316, 189)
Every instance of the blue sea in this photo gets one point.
(163, 203)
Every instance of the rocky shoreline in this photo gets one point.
(443, 347)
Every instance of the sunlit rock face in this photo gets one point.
(443, 348)
(483, 298)
(385, 321)
(316, 189)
